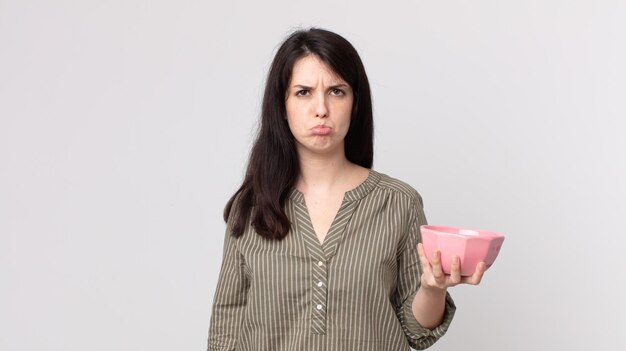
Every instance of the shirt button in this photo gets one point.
(319, 307)
(320, 284)
(320, 263)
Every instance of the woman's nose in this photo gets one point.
(321, 110)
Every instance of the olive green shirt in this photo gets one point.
(353, 292)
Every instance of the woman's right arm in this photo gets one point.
(230, 299)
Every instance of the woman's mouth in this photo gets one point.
(321, 130)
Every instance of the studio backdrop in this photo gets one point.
(125, 126)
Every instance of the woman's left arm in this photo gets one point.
(439, 307)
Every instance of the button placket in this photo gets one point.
(320, 294)
(318, 265)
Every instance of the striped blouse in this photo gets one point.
(352, 292)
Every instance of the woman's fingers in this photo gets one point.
(423, 260)
(475, 278)
(455, 271)
(433, 275)
(435, 264)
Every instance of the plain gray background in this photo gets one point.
(125, 126)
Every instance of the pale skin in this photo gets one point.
(319, 105)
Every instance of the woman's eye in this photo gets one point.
(302, 92)
(337, 92)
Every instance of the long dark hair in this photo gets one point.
(273, 166)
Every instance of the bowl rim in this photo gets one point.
(454, 231)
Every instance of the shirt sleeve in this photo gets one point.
(230, 299)
(409, 275)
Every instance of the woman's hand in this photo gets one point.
(429, 303)
(434, 279)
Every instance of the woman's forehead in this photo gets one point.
(311, 69)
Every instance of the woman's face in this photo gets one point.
(319, 106)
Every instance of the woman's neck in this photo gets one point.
(326, 173)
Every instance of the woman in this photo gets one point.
(321, 252)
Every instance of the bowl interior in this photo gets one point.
(439, 229)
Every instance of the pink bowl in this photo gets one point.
(472, 246)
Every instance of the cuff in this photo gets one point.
(415, 331)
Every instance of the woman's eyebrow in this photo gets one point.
(304, 87)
